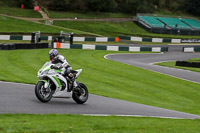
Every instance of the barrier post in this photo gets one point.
(33, 37)
(71, 38)
(38, 38)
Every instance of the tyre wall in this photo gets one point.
(188, 64)
(23, 46)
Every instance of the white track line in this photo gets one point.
(133, 116)
(7, 82)
(105, 56)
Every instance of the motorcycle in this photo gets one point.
(53, 84)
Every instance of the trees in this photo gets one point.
(136, 6)
(59, 5)
(192, 6)
(13, 3)
(125, 6)
(99, 5)
(27, 3)
(172, 5)
(78, 5)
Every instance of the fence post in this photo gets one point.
(71, 38)
(33, 37)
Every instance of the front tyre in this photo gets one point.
(43, 94)
(81, 96)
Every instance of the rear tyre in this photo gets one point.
(43, 94)
(80, 96)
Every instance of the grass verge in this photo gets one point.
(114, 29)
(79, 28)
(173, 64)
(11, 25)
(107, 78)
(18, 12)
(87, 15)
(15, 41)
(94, 124)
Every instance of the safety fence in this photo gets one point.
(109, 48)
(49, 38)
(101, 39)
(191, 49)
(24, 37)
(161, 40)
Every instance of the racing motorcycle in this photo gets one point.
(53, 84)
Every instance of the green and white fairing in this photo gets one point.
(47, 75)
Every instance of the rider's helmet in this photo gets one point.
(52, 54)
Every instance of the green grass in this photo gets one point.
(14, 41)
(114, 29)
(173, 64)
(11, 25)
(87, 15)
(107, 78)
(94, 124)
(110, 29)
(102, 28)
(79, 28)
(194, 60)
(18, 12)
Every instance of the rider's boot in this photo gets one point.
(74, 85)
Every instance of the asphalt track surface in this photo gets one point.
(146, 61)
(20, 98)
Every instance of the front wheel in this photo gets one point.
(43, 94)
(81, 96)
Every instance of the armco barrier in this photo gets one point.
(145, 39)
(103, 39)
(191, 49)
(24, 37)
(23, 46)
(93, 39)
(110, 48)
(49, 38)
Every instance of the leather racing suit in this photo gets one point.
(65, 67)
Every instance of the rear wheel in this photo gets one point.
(80, 96)
(43, 94)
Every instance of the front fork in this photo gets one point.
(46, 83)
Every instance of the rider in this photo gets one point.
(56, 58)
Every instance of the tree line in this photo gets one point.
(125, 6)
